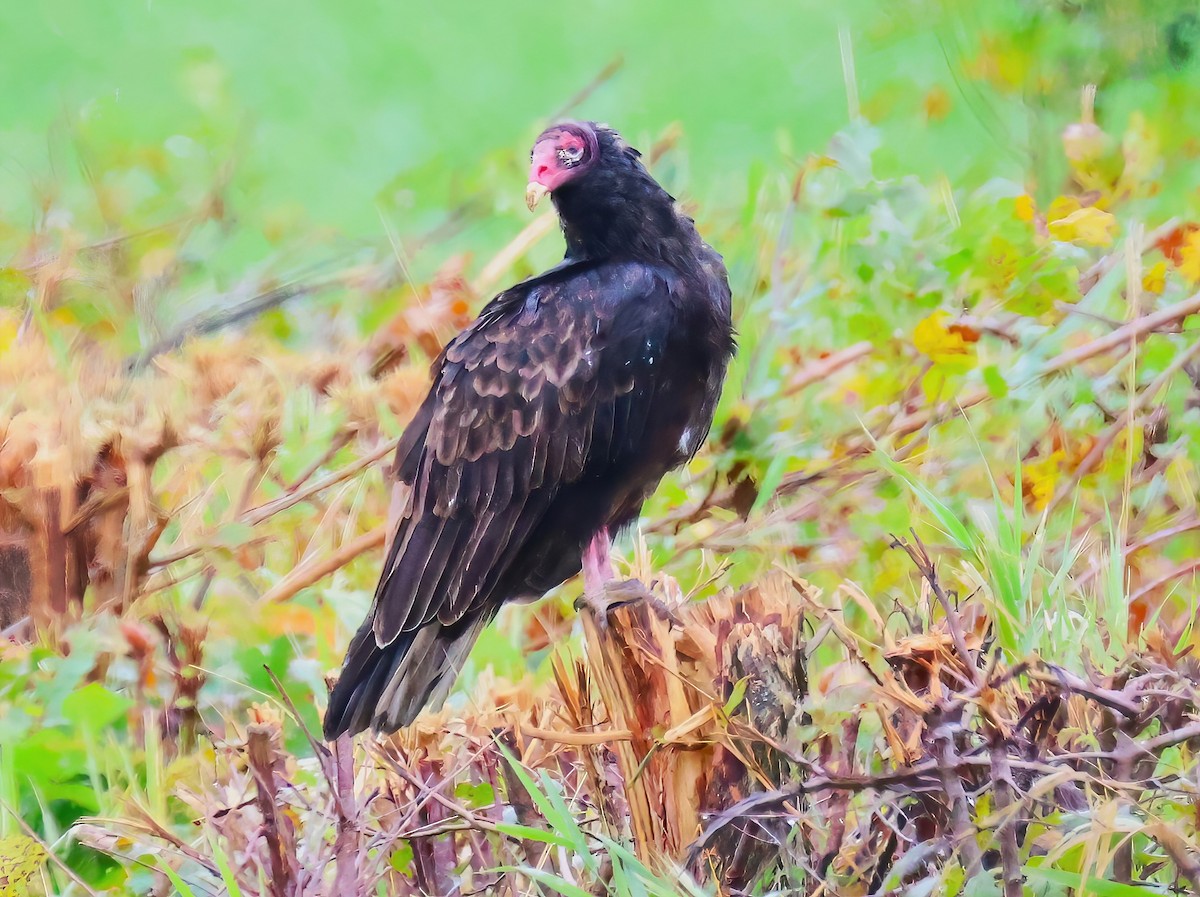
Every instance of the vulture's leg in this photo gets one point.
(597, 564)
(602, 594)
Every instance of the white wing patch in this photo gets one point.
(687, 441)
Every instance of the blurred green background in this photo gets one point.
(335, 114)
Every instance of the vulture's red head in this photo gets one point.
(607, 203)
(562, 154)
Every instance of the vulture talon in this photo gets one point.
(618, 594)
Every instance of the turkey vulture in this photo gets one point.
(550, 421)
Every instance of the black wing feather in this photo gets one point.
(528, 399)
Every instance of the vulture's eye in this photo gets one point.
(570, 156)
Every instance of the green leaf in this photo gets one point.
(951, 525)
(736, 696)
(222, 861)
(401, 858)
(983, 885)
(852, 149)
(996, 385)
(1094, 887)
(21, 857)
(476, 794)
(529, 833)
(179, 884)
(94, 707)
(542, 877)
(770, 481)
(548, 801)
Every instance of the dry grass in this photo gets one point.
(692, 736)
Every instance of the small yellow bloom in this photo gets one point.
(1061, 207)
(1189, 258)
(1089, 226)
(1155, 279)
(1040, 477)
(940, 343)
(1025, 207)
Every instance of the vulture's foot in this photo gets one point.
(617, 594)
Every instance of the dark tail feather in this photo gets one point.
(386, 688)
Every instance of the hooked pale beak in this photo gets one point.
(534, 194)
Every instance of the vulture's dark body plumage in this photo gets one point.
(551, 419)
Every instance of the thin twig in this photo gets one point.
(925, 566)
(315, 570)
(1189, 566)
(256, 515)
(1096, 454)
(345, 848)
(1006, 834)
(960, 814)
(820, 370)
(277, 834)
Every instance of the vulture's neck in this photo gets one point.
(625, 215)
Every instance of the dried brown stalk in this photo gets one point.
(315, 570)
(621, 700)
(1006, 812)
(961, 828)
(261, 513)
(276, 828)
(817, 371)
(346, 848)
